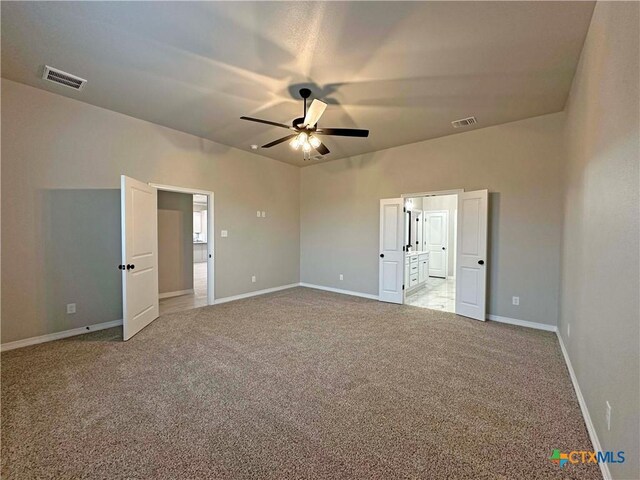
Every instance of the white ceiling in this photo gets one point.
(404, 70)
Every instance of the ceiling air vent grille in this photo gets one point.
(63, 78)
(464, 122)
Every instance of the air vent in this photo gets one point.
(63, 78)
(317, 157)
(464, 122)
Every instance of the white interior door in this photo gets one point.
(139, 211)
(391, 259)
(437, 232)
(471, 255)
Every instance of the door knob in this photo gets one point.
(130, 266)
(120, 267)
(443, 248)
(480, 262)
(382, 255)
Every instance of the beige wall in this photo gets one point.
(61, 166)
(519, 163)
(601, 264)
(175, 241)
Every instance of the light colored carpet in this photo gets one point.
(295, 384)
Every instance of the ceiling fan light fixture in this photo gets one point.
(314, 141)
(306, 147)
(301, 140)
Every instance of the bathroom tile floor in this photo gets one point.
(438, 294)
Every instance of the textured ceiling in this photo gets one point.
(404, 70)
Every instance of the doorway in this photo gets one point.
(430, 252)
(185, 250)
(433, 250)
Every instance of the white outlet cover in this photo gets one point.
(608, 415)
(71, 308)
(341, 277)
(224, 233)
(515, 300)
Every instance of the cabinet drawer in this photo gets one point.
(414, 268)
(423, 257)
(413, 280)
(413, 259)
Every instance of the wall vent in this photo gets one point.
(464, 122)
(317, 157)
(63, 78)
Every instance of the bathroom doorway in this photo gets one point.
(430, 237)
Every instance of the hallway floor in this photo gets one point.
(439, 294)
(194, 300)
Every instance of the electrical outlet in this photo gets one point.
(224, 233)
(568, 330)
(608, 415)
(515, 300)
(71, 308)
(264, 214)
(341, 277)
(258, 214)
(253, 279)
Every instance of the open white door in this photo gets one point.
(139, 211)
(391, 263)
(471, 257)
(437, 232)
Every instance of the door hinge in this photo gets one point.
(403, 248)
(404, 209)
(403, 287)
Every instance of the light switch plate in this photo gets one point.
(224, 233)
(258, 214)
(341, 277)
(264, 214)
(253, 279)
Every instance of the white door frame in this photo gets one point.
(210, 233)
(433, 194)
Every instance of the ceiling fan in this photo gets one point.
(306, 128)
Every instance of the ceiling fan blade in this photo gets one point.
(322, 149)
(314, 113)
(343, 132)
(280, 140)
(275, 124)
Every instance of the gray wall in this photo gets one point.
(56, 150)
(175, 241)
(600, 281)
(520, 164)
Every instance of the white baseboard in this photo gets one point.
(254, 294)
(176, 293)
(339, 290)
(523, 323)
(58, 335)
(604, 468)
